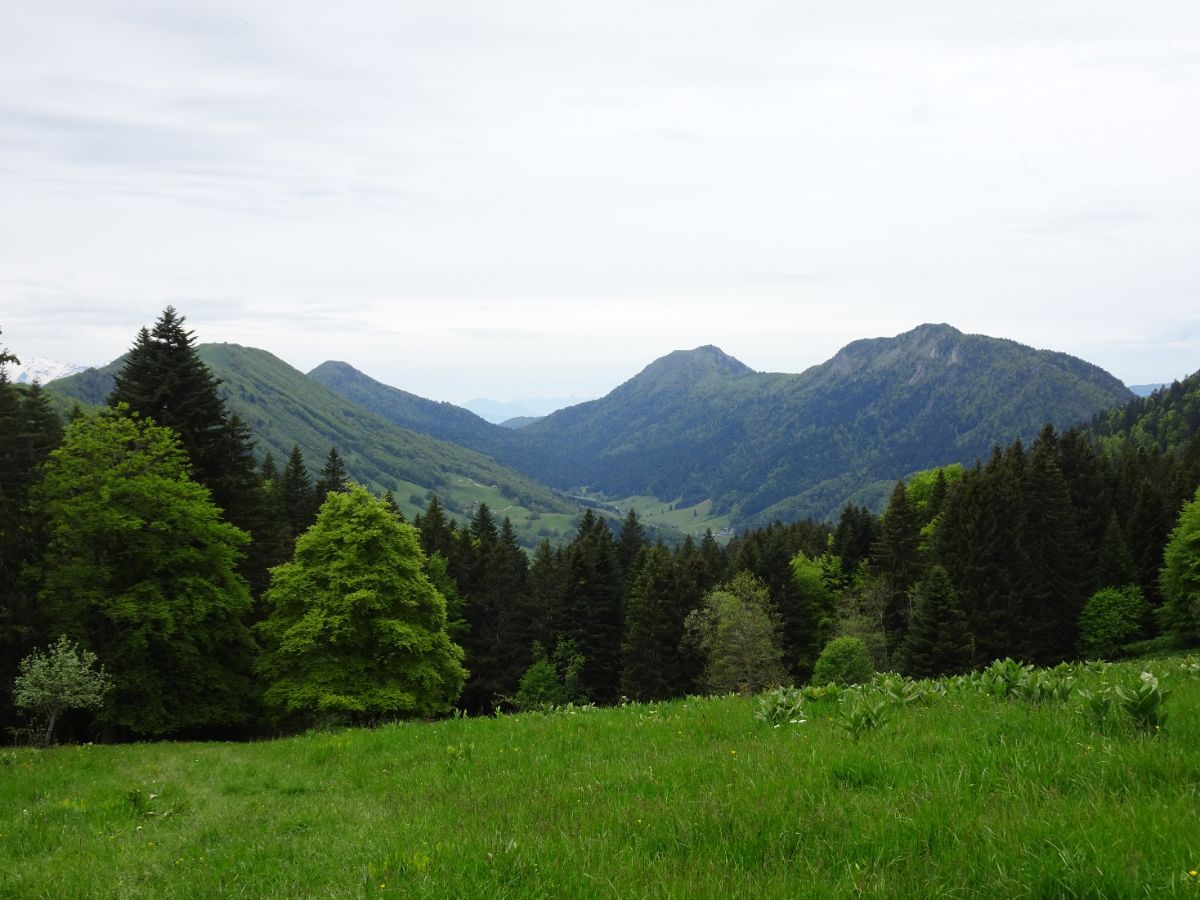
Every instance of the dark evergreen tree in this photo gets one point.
(164, 379)
(333, 477)
(516, 631)
(896, 558)
(545, 588)
(713, 563)
(631, 541)
(1055, 585)
(273, 540)
(978, 545)
(592, 607)
(1088, 483)
(1146, 533)
(298, 494)
(28, 432)
(937, 642)
(650, 667)
(856, 533)
(268, 470)
(487, 591)
(1114, 565)
(437, 532)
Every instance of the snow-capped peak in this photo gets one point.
(41, 369)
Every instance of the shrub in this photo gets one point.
(59, 679)
(844, 660)
(1111, 618)
(551, 681)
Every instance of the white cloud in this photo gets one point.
(534, 198)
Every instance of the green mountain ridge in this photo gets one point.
(766, 445)
(698, 424)
(693, 427)
(285, 407)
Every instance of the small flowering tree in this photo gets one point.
(58, 679)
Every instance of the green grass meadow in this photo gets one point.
(968, 796)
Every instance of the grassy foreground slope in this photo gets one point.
(969, 796)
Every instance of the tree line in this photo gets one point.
(226, 596)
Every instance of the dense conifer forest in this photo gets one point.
(226, 597)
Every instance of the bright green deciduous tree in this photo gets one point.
(738, 633)
(141, 570)
(1180, 577)
(58, 679)
(356, 631)
(1110, 618)
(844, 660)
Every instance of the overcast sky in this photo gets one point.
(523, 199)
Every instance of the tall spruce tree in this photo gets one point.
(937, 642)
(297, 490)
(333, 477)
(592, 607)
(545, 589)
(1114, 565)
(437, 531)
(164, 379)
(631, 541)
(1055, 584)
(650, 668)
(896, 557)
(856, 533)
(977, 542)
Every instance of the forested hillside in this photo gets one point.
(284, 408)
(1166, 420)
(699, 425)
(444, 421)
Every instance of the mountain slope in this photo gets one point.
(700, 425)
(283, 406)
(444, 421)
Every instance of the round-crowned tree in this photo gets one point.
(1111, 617)
(844, 660)
(141, 570)
(356, 632)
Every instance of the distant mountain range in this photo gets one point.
(699, 425)
(1145, 390)
(694, 428)
(500, 413)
